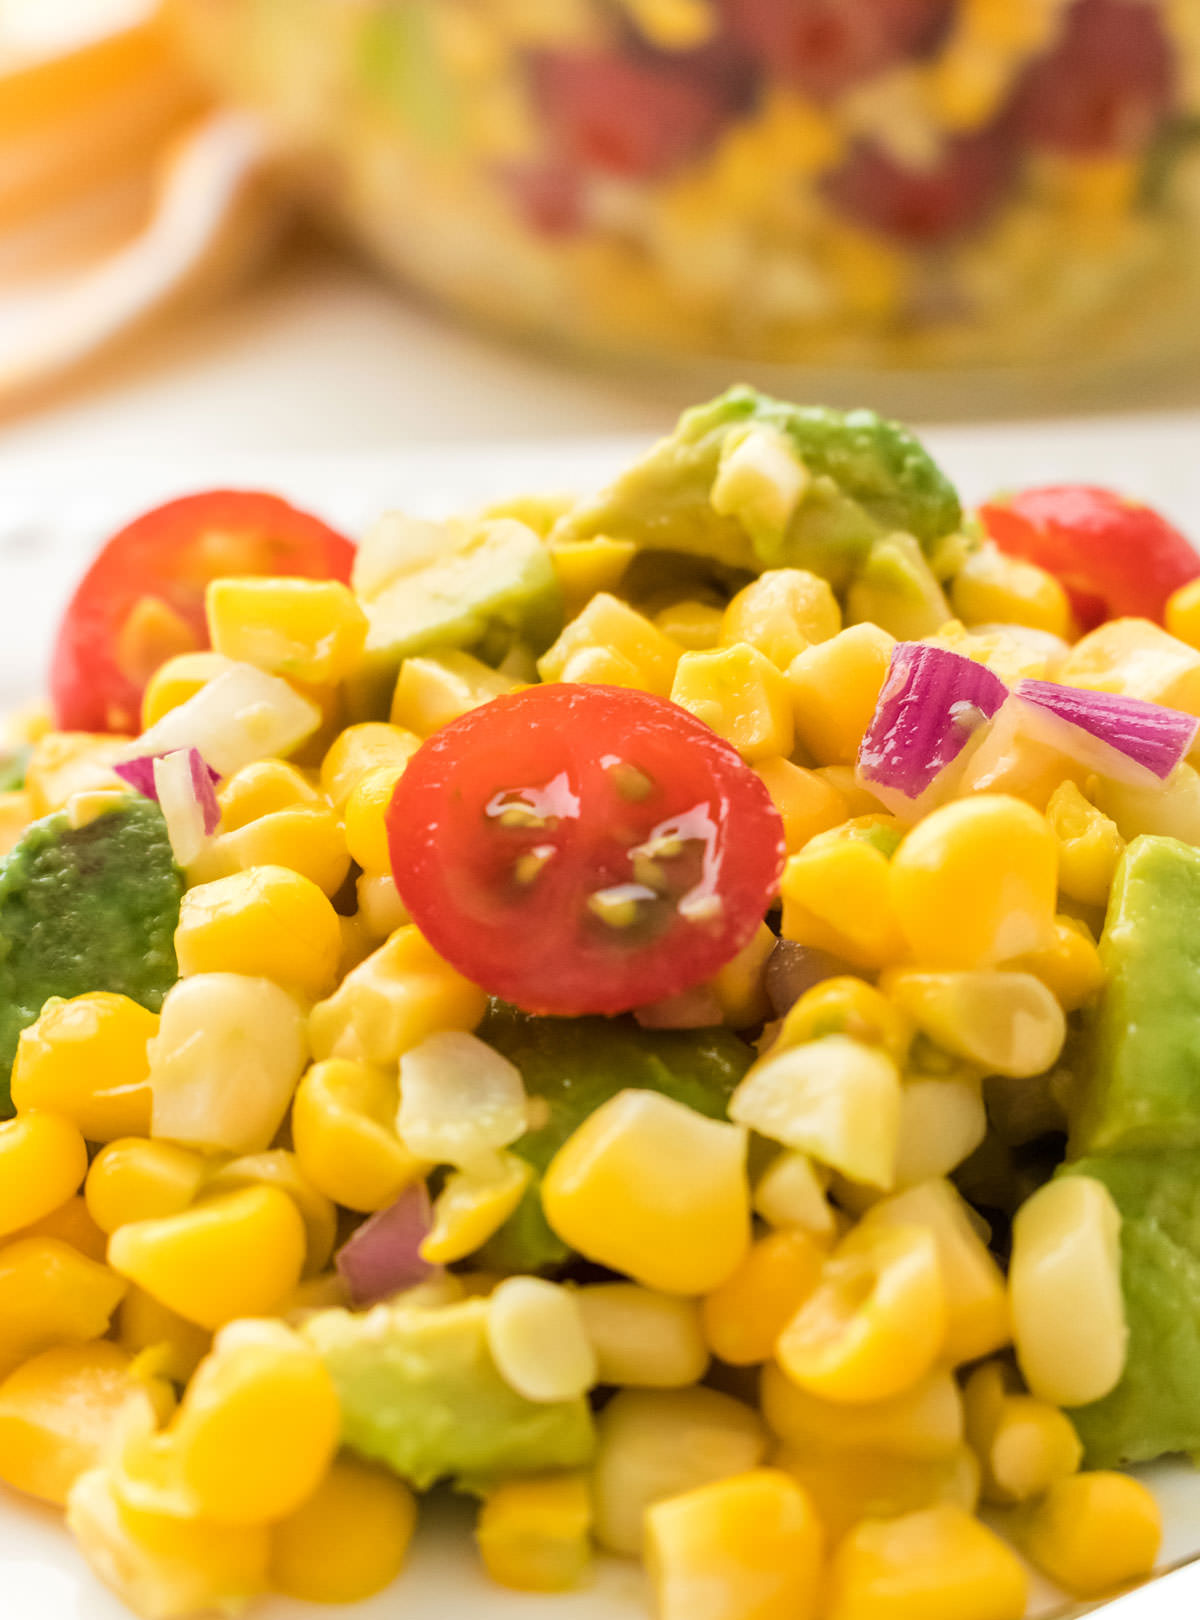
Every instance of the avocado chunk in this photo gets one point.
(866, 477)
(574, 1065)
(1155, 1409)
(86, 908)
(1139, 1081)
(421, 1393)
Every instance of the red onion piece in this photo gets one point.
(697, 1008)
(793, 968)
(139, 773)
(1124, 738)
(383, 1257)
(934, 703)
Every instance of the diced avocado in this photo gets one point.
(86, 908)
(1155, 1409)
(866, 477)
(573, 1065)
(479, 586)
(420, 1392)
(1139, 1084)
(896, 588)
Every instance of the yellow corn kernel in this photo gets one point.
(71, 1223)
(28, 723)
(655, 1190)
(350, 1538)
(279, 1168)
(144, 1325)
(745, 1316)
(65, 763)
(16, 812)
(1169, 809)
(403, 993)
(739, 693)
(1069, 966)
(846, 1006)
(472, 1207)
(1092, 1533)
(533, 1534)
(923, 1422)
(876, 1322)
(849, 1485)
(66, 1411)
(1089, 845)
(436, 688)
(310, 630)
(344, 1131)
(262, 788)
(86, 1059)
(641, 1338)
(1005, 1022)
(977, 1313)
(177, 680)
(710, 1548)
(43, 1160)
(807, 802)
(694, 626)
(837, 897)
(267, 922)
(366, 818)
(791, 1192)
(1064, 1280)
(537, 1340)
(237, 1255)
(975, 883)
(739, 986)
(991, 588)
(380, 909)
(133, 1179)
(781, 613)
(1025, 1447)
(844, 780)
(835, 687)
(939, 1564)
(612, 626)
(363, 748)
(835, 1098)
(656, 1444)
(1137, 658)
(942, 1122)
(308, 838)
(51, 1294)
(357, 944)
(588, 567)
(1182, 614)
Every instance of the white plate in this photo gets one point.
(51, 520)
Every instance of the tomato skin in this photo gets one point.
(536, 943)
(823, 47)
(168, 555)
(1114, 558)
(924, 206)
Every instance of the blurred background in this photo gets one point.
(325, 224)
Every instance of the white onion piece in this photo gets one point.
(184, 814)
(240, 716)
(460, 1101)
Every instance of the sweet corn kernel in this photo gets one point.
(1026, 1447)
(64, 763)
(846, 1006)
(176, 1346)
(791, 1192)
(537, 1339)
(436, 688)
(533, 1536)
(16, 812)
(1182, 614)
(876, 1322)
(267, 922)
(940, 1564)
(975, 883)
(50, 1294)
(849, 1485)
(1137, 658)
(403, 993)
(924, 1422)
(43, 1160)
(648, 1187)
(750, 1546)
(835, 1099)
(133, 1179)
(587, 567)
(177, 680)
(835, 687)
(745, 1316)
(1064, 1280)
(844, 780)
(1070, 966)
(461, 1101)
(366, 818)
(837, 897)
(349, 1539)
(279, 1168)
(739, 693)
(655, 1444)
(237, 1255)
(71, 1223)
(363, 748)
(308, 838)
(991, 588)
(1092, 1533)
(310, 630)
(86, 1060)
(610, 625)
(740, 986)
(781, 613)
(380, 909)
(694, 626)
(472, 1207)
(641, 1338)
(343, 1128)
(942, 1122)
(262, 788)
(807, 802)
(1005, 1022)
(1089, 845)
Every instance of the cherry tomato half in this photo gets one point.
(583, 849)
(1112, 556)
(142, 600)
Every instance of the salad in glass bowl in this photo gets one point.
(672, 1014)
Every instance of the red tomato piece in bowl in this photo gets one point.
(142, 600)
(584, 849)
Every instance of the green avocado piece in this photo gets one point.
(420, 1392)
(897, 589)
(1155, 1409)
(868, 477)
(1138, 1085)
(86, 908)
(574, 1065)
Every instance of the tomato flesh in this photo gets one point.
(143, 597)
(924, 205)
(1113, 557)
(583, 849)
(825, 46)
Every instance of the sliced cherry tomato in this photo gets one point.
(924, 205)
(825, 46)
(142, 600)
(583, 849)
(1114, 557)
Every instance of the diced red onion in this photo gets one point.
(383, 1257)
(1123, 738)
(793, 968)
(697, 1008)
(139, 773)
(934, 703)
